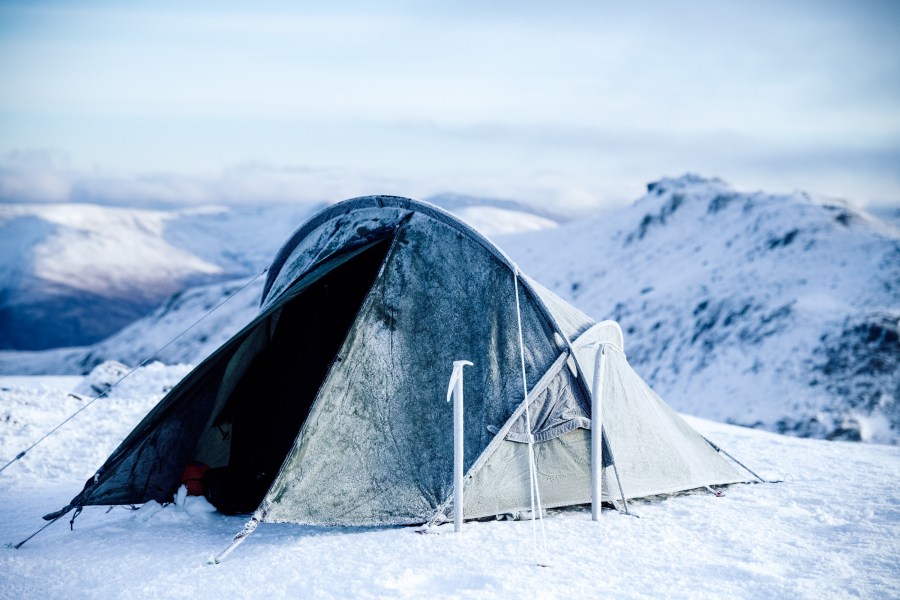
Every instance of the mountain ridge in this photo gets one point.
(740, 295)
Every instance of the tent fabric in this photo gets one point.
(556, 405)
(572, 322)
(187, 420)
(656, 451)
(354, 462)
(330, 405)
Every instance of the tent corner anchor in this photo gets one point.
(241, 535)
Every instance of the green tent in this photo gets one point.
(330, 406)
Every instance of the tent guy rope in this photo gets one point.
(110, 387)
(532, 470)
(742, 465)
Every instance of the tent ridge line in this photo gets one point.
(377, 202)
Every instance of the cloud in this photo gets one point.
(572, 171)
(34, 176)
(577, 104)
(47, 177)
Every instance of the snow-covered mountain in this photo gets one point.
(777, 311)
(494, 217)
(184, 329)
(81, 272)
(772, 311)
(73, 274)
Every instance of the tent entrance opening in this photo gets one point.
(272, 399)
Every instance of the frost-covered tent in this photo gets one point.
(329, 407)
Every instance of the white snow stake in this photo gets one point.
(597, 434)
(455, 390)
(244, 533)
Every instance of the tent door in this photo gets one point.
(272, 399)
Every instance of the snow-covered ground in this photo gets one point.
(832, 529)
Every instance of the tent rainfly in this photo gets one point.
(329, 407)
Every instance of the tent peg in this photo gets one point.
(597, 434)
(455, 390)
(242, 535)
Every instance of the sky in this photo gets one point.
(571, 105)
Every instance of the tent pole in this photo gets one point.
(597, 434)
(456, 388)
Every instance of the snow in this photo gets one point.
(500, 221)
(774, 311)
(96, 249)
(778, 311)
(832, 529)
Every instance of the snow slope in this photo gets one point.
(777, 311)
(827, 532)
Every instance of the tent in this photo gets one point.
(329, 407)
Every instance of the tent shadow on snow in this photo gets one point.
(329, 407)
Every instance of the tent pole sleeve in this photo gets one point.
(456, 384)
(597, 435)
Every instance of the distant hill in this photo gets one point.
(494, 217)
(73, 274)
(777, 311)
